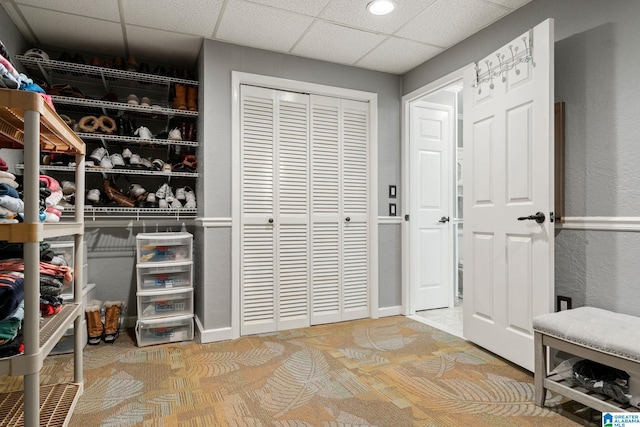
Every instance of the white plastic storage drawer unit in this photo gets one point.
(161, 331)
(164, 247)
(152, 276)
(154, 304)
(65, 250)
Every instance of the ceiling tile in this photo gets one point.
(262, 27)
(88, 35)
(178, 49)
(104, 9)
(335, 43)
(306, 7)
(398, 56)
(448, 22)
(197, 17)
(511, 4)
(353, 13)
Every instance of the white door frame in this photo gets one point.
(239, 78)
(407, 101)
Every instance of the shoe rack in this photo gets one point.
(165, 288)
(92, 90)
(27, 122)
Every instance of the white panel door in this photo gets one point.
(508, 163)
(431, 144)
(339, 213)
(275, 210)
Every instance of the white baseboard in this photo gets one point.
(212, 335)
(390, 311)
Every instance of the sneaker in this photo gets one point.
(126, 153)
(98, 154)
(162, 191)
(145, 101)
(106, 163)
(117, 160)
(133, 100)
(134, 159)
(146, 163)
(175, 204)
(68, 187)
(169, 194)
(93, 195)
(162, 204)
(174, 135)
(136, 190)
(190, 204)
(143, 133)
(180, 194)
(151, 197)
(189, 194)
(158, 164)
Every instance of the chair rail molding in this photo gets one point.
(389, 220)
(209, 222)
(604, 223)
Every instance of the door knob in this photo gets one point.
(270, 220)
(537, 217)
(347, 219)
(444, 219)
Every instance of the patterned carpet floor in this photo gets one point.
(389, 372)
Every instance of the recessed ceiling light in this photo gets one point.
(381, 7)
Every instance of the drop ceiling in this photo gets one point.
(341, 31)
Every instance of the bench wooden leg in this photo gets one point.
(540, 369)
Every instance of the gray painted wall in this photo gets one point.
(596, 75)
(12, 39)
(217, 61)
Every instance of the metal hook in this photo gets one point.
(503, 68)
(526, 46)
(514, 63)
(489, 73)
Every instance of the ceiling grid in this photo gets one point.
(340, 31)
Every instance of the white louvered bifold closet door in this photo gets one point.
(355, 202)
(274, 189)
(339, 210)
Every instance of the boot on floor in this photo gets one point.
(113, 312)
(95, 328)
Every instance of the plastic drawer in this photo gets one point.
(88, 293)
(153, 305)
(162, 331)
(67, 287)
(65, 345)
(67, 251)
(164, 247)
(153, 276)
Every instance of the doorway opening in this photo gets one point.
(434, 155)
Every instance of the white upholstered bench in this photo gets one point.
(602, 336)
